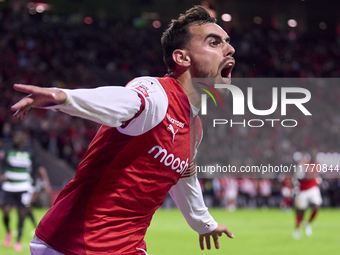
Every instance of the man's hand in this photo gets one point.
(39, 97)
(215, 234)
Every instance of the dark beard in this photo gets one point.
(200, 73)
(202, 76)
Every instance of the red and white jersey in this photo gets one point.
(127, 171)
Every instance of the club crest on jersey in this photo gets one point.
(169, 159)
(143, 89)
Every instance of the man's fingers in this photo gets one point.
(38, 97)
(201, 242)
(29, 89)
(21, 113)
(216, 242)
(207, 241)
(17, 114)
(215, 234)
(22, 107)
(23, 104)
(24, 114)
(228, 233)
(34, 90)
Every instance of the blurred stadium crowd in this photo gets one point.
(232, 193)
(61, 53)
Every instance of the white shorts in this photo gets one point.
(308, 197)
(39, 247)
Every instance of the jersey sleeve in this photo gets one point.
(110, 105)
(134, 109)
(188, 197)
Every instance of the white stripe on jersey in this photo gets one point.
(19, 162)
(16, 176)
(191, 170)
(140, 249)
(17, 186)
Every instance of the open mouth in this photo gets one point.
(226, 71)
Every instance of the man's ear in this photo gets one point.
(181, 58)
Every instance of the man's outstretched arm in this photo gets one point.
(111, 105)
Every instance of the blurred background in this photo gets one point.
(84, 43)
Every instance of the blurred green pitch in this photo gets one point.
(265, 232)
(256, 232)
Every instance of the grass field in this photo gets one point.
(256, 232)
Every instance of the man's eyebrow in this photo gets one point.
(217, 37)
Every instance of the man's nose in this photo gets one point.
(228, 50)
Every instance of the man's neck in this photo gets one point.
(184, 80)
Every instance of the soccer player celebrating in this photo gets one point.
(308, 194)
(142, 150)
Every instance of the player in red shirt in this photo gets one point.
(308, 194)
(141, 152)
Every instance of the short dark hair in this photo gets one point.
(177, 35)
